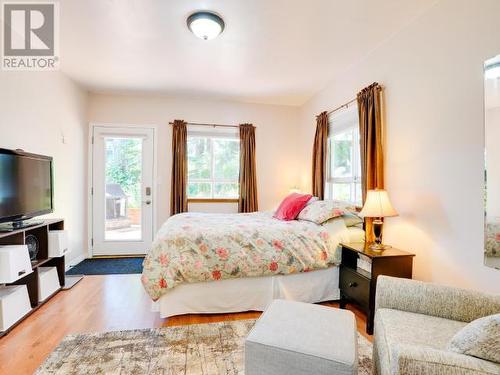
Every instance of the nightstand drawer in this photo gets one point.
(355, 286)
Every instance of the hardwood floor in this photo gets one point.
(96, 304)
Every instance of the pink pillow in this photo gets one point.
(291, 206)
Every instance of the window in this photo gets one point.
(343, 178)
(213, 164)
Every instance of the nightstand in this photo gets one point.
(358, 285)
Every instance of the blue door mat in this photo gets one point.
(107, 266)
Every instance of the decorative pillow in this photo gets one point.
(312, 200)
(480, 338)
(351, 219)
(291, 206)
(320, 211)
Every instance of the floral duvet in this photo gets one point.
(194, 247)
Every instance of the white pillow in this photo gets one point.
(337, 229)
(480, 338)
(312, 200)
(320, 211)
(351, 219)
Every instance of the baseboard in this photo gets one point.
(74, 262)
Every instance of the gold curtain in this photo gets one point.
(248, 175)
(178, 194)
(319, 155)
(370, 132)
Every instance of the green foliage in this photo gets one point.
(124, 167)
(226, 165)
(199, 157)
(342, 158)
(227, 159)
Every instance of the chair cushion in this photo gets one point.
(480, 338)
(293, 337)
(410, 328)
(395, 327)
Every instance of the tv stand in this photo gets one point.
(41, 232)
(20, 224)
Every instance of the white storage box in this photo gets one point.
(14, 263)
(58, 243)
(14, 304)
(48, 282)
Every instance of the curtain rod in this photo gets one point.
(211, 125)
(345, 105)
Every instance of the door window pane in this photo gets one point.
(123, 189)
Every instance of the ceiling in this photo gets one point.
(272, 51)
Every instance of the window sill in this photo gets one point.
(213, 200)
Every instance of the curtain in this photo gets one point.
(319, 155)
(248, 177)
(370, 132)
(178, 194)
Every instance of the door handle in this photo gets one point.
(147, 202)
(353, 284)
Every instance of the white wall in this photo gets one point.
(276, 138)
(432, 74)
(37, 111)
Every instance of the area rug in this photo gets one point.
(197, 349)
(107, 266)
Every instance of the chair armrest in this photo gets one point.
(433, 299)
(407, 359)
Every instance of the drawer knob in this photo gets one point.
(353, 284)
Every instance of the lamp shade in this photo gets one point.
(377, 205)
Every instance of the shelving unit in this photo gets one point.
(41, 232)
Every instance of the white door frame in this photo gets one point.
(90, 182)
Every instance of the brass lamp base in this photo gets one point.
(378, 246)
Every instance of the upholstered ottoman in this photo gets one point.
(292, 338)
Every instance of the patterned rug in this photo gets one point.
(197, 349)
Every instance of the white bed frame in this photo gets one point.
(247, 294)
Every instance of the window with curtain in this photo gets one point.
(343, 176)
(213, 163)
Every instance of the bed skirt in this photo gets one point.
(254, 293)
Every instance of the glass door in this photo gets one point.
(122, 181)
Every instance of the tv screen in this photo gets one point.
(25, 185)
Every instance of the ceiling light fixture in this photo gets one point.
(205, 25)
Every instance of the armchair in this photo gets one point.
(414, 321)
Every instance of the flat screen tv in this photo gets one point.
(26, 188)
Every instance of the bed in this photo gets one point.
(215, 263)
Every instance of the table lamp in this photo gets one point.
(378, 206)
